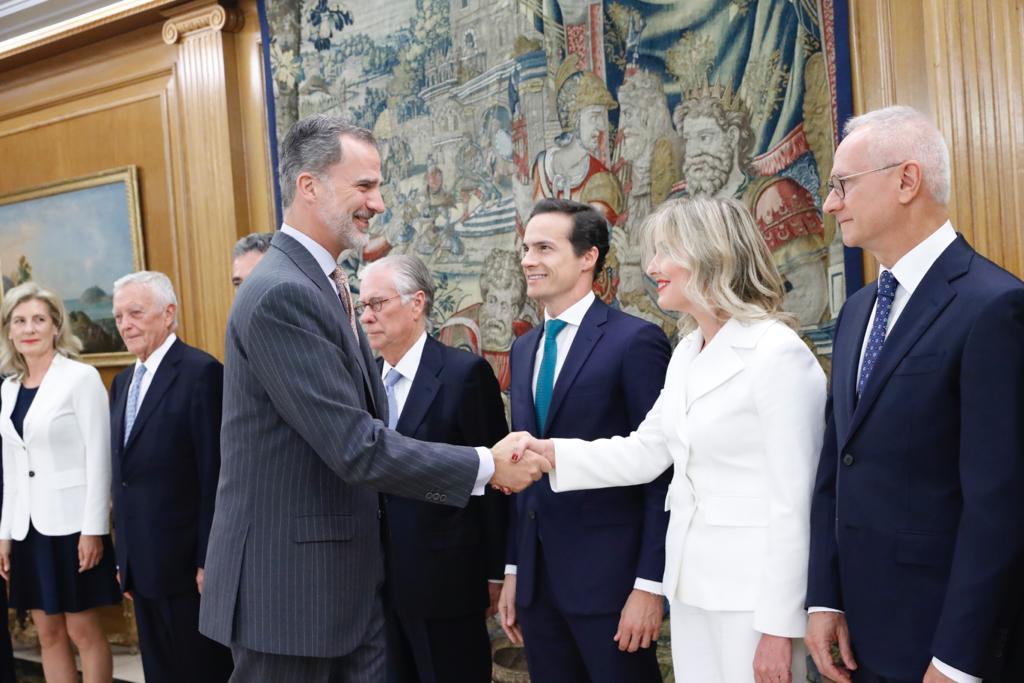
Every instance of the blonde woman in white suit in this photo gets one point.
(55, 545)
(741, 417)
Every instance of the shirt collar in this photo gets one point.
(153, 362)
(575, 313)
(911, 269)
(322, 256)
(410, 362)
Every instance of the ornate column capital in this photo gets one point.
(200, 16)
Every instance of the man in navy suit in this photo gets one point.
(583, 583)
(917, 523)
(444, 564)
(165, 444)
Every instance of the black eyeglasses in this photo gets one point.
(837, 183)
(373, 304)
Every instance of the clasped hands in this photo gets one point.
(519, 460)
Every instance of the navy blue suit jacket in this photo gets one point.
(596, 542)
(440, 557)
(918, 512)
(164, 479)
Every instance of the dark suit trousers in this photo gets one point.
(864, 675)
(173, 650)
(422, 650)
(365, 664)
(567, 648)
(6, 651)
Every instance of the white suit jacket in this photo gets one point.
(66, 449)
(742, 421)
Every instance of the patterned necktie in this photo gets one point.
(345, 294)
(886, 292)
(546, 376)
(132, 409)
(390, 380)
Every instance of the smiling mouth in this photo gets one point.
(662, 284)
(533, 277)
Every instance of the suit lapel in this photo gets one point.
(120, 384)
(846, 358)
(524, 355)
(425, 386)
(162, 380)
(717, 363)
(930, 298)
(10, 395)
(582, 345)
(355, 346)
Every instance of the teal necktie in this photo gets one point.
(546, 376)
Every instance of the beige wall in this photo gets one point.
(962, 62)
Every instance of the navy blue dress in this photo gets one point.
(44, 569)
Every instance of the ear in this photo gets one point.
(911, 181)
(734, 137)
(305, 186)
(589, 260)
(419, 300)
(169, 311)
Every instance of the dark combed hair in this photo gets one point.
(589, 227)
(313, 145)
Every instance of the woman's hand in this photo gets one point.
(90, 551)
(773, 660)
(5, 559)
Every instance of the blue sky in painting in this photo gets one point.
(73, 240)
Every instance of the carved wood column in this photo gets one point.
(210, 169)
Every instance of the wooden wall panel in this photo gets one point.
(960, 61)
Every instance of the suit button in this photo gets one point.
(847, 459)
(124, 484)
(533, 514)
(443, 498)
(31, 473)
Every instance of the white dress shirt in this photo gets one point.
(573, 317)
(406, 367)
(327, 265)
(909, 271)
(152, 363)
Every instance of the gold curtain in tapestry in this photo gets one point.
(482, 107)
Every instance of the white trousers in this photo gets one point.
(718, 647)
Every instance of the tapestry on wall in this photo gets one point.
(481, 107)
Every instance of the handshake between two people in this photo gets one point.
(519, 460)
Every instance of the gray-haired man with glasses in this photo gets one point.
(917, 521)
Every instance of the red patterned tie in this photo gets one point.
(341, 280)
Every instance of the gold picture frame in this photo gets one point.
(76, 237)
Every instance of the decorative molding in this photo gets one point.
(205, 18)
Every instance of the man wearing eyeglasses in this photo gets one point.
(917, 525)
(444, 565)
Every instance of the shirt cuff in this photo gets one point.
(486, 471)
(648, 586)
(812, 610)
(955, 674)
(510, 569)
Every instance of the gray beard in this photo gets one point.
(706, 174)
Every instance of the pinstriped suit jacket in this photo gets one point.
(294, 557)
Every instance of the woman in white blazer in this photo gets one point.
(741, 417)
(55, 423)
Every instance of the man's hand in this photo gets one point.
(5, 559)
(199, 580)
(773, 660)
(514, 470)
(494, 593)
(120, 582)
(933, 675)
(90, 551)
(823, 629)
(507, 610)
(640, 621)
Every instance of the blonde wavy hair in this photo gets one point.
(65, 342)
(732, 273)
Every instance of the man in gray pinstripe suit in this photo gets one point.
(294, 566)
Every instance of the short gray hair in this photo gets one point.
(157, 283)
(900, 133)
(257, 241)
(313, 145)
(410, 275)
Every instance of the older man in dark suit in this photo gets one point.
(294, 571)
(445, 565)
(165, 447)
(917, 523)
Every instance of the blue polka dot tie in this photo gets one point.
(886, 291)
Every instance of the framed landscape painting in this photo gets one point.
(76, 237)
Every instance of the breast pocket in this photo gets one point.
(921, 364)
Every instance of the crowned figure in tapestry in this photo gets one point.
(482, 107)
